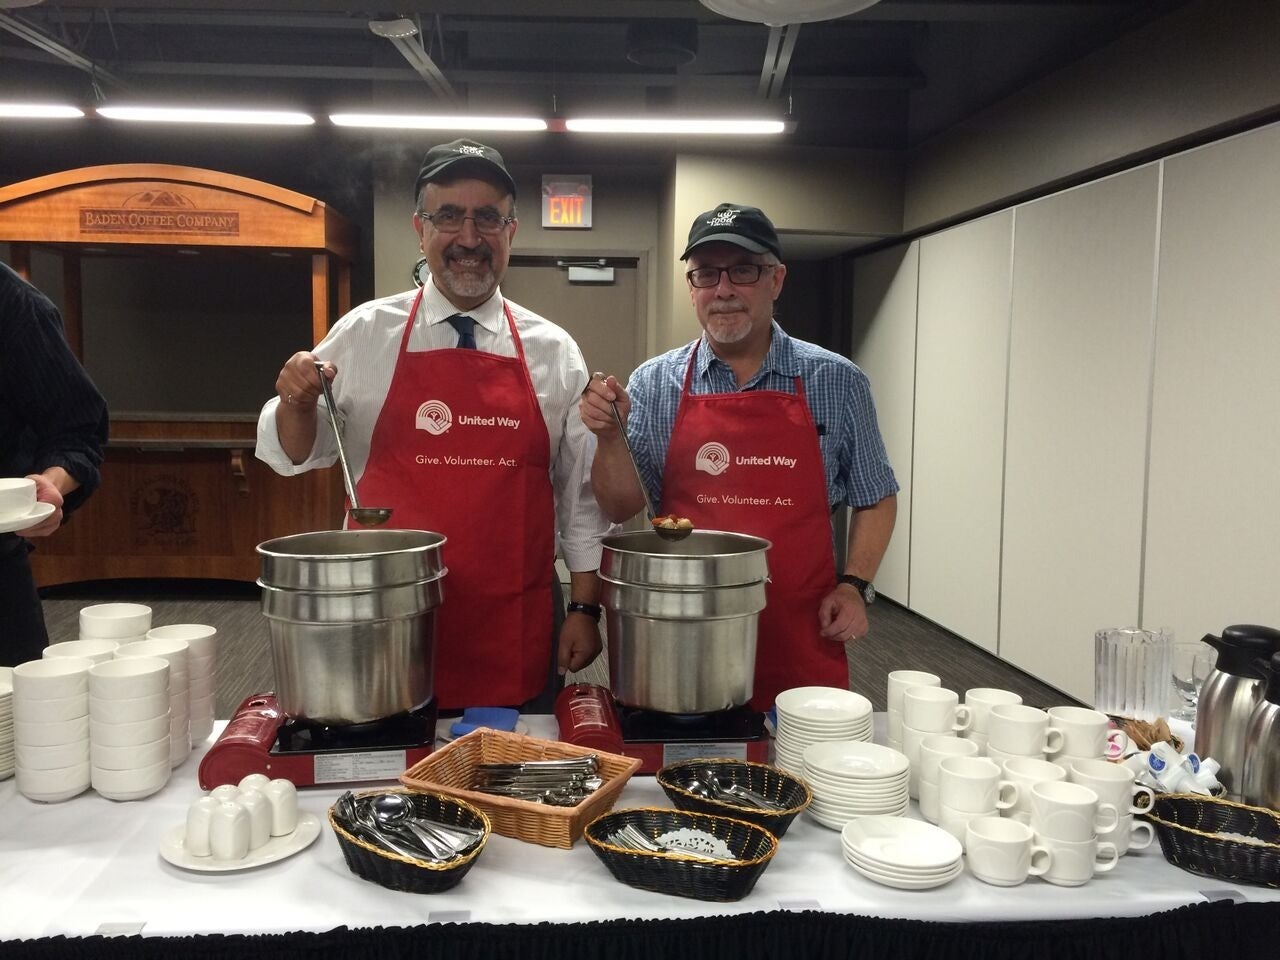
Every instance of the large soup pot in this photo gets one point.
(352, 615)
(682, 618)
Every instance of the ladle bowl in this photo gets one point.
(365, 516)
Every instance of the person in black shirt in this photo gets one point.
(53, 425)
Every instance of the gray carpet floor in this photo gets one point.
(898, 639)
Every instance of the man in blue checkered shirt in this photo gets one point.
(749, 430)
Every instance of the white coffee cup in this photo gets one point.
(937, 747)
(1068, 811)
(199, 817)
(1131, 834)
(1087, 733)
(956, 822)
(1074, 863)
(1026, 772)
(933, 709)
(974, 785)
(229, 831)
(17, 497)
(1004, 852)
(980, 700)
(1113, 783)
(1019, 730)
(930, 809)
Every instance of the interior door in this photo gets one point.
(605, 318)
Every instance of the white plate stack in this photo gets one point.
(202, 671)
(853, 778)
(121, 622)
(808, 715)
(6, 723)
(902, 853)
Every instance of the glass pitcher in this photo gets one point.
(1132, 667)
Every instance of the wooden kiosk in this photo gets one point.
(182, 494)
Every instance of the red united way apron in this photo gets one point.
(461, 448)
(750, 463)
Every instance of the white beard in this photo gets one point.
(468, 284)
(728, 327)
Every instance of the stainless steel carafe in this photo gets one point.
(1261, 781)
(1229, 695)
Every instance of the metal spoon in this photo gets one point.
(744, 796)
(365, 516)
(666, 533)
(367, 829)
(393, 812)
(397, 807)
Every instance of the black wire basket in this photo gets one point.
(408, 875)
(680, 875)
(791, 793)
(1218, 838)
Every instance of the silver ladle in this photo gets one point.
(395, 813)
(666, 533)
(365, 516)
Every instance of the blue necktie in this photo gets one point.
(466, 330)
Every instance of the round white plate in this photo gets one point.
(174, 850)
(902, 842)
(822, 704)
(445, 735)
(855, 760)
(41, 511)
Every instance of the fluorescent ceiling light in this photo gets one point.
(692, 127)
(413, 121)
(206, 115)
(51, 110)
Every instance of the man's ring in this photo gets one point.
(852, 637)
(289, 398)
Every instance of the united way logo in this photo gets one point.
(434, 417)
(712, 458)
(724, 218)
(473, 151)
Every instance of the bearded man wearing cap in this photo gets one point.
(460, 414)
(750, 430)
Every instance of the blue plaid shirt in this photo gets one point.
(838, 394)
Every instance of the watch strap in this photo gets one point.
(592, 610)
(864, 587)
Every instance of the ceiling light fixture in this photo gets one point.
(39, 110)
(287, 118)
(411, 121)
(687, 127)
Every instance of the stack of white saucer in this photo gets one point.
(808, 715)
(6, 723)
(853, 778)
(202, 671)
(902, 853)
(121, 622)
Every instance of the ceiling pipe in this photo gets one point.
(402, 34)
(777, 59)
(48, 44)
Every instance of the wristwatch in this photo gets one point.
(592, 610)
(864, 587)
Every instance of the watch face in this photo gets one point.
(869, 594)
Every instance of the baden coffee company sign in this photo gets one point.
(159, 212)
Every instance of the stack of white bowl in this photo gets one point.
(93, 649)
(121, 622)
(202, 671)
(129, 726)
(176, 652)
(853, 778)
(807, 715)
(6, 723)
(51, 728)
(902, 853)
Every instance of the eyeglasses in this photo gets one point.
(448, 220)
(740, 273)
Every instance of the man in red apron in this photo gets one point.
(749, 430)
(460, 412)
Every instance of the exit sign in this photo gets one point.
(566, 201)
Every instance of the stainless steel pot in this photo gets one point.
(355, 643)
(682, 619)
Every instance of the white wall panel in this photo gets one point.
(957, 473)
(1079, 386)
(1213, 529)
(884, 343)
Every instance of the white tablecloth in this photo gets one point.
(73, 867)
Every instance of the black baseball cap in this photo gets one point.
(462, 158)
(735, 223)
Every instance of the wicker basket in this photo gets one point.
(1191, 828)
(680, 875)
(402, 873)
(451, 770)
(790, 792)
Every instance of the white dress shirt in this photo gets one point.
(363, 346)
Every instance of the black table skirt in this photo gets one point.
(1222, 931)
